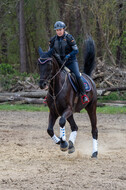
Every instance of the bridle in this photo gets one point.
(42, 61)
(49, 79)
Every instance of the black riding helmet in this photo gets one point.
(59, 25)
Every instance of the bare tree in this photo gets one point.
(120, 32)
(22, 37)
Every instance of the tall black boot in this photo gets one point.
(82, 90)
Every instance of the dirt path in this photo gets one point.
(29, 160)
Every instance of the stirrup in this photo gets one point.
(84, 99)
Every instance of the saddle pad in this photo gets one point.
(75, 86)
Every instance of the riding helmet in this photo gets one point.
(59, 25)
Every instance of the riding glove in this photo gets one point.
(67, 57)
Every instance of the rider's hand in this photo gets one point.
(67, 57)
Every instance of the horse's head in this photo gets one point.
(45, 70)
(47, 66)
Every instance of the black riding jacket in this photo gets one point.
(64, 45)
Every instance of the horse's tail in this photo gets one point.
(89, 55)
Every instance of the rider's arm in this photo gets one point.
(75, 50)
(71, 41)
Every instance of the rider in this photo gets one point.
(65, 46)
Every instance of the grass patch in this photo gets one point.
(42, 108)
(109, 110)
(23, 107)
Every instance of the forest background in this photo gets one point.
(27, 24)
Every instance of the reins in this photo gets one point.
(58, 70)
(52, 88)
(55, 96)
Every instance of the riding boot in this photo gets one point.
(82, 90)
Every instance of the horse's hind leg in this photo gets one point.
(91, 109)
(73, 134)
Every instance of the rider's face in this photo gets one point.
(60, 32)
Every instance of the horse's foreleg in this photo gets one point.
(50, 131)
(73, 134)
(93, 118)
(62, 121)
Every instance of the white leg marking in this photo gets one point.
(55, 139)
(95, 145)
(73, 136)
(62, 133)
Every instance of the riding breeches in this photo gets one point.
(73, 66)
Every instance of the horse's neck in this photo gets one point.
(55, 84)
(55, 68)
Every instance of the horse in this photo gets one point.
(63, 101)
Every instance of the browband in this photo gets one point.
(44, 60)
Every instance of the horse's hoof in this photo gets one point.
(71, 148)
(94, 155)
(63, 145)
(58, 143)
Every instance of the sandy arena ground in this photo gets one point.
(29, 160)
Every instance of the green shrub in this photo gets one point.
(6, 69)
(9, 76)
(113, 96)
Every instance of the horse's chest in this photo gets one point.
(56, 104)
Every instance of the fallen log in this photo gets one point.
(33, 94)
(100, 75)
(30, 101)
(106, 79)
(110, 104)
(23, 100)
(116, 89)
(102, 92)
(4, 99)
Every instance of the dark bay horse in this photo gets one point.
(63, 101)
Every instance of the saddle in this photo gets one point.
(74, 83)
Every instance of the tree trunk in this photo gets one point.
(78, 18)
(4, 48)
(120, 32)
(22, 37)
(99, 40)
(3, 38)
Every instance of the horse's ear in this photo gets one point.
(40, 51)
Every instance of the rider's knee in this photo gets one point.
(62, 122)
